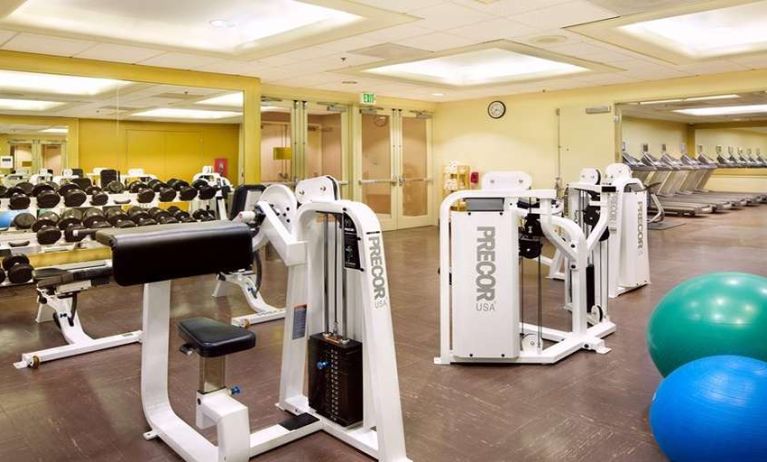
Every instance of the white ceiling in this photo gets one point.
(436, 25)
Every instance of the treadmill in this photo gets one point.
(680, 175)
(656, 175)
(750, 198)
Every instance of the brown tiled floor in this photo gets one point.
(587, 407)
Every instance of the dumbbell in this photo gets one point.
(70, 221)
(94, 218)
(118, 218)
(26, 186)
(18, 268)
(19, 200)
(161, 216)
(115, 187)
(144, 194)
(98, 197)
(203, 215)
(3, 191)
(73, 195)
(140, 216)
(185, 192)
(204, 190)
(46, 228)
(24, 220)
(46, 195)
(180, 215)
(165, 192)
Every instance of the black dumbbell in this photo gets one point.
(18, 268)
(203, 215)
(72, 213)
(185, 192)
(2, 276)
(165, 192)
(118, 218)
(68, 226)
(180, 215)
(46, 228)
(93, 216)
(46, 196)
(98, 197)
(115, 187)
(140, 216)
(23, 220)
(3, 191)
(73, 195)
(161, 216)
(19, 200)
(204, 190)
(26, 186)
(144, 194)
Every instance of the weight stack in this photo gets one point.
(335, 379)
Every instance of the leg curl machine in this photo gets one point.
(353, 388)
(482, 247)
(57, 292)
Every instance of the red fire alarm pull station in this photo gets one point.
(474, 178)
(221, 166)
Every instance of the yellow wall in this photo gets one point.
(527, 137)
(735, 137)
(163, 149)
(655, 133)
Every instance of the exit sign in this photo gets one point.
(367, 97)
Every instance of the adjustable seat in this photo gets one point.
(210, 338)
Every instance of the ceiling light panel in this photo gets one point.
(725, 110)
(177, 113)
(27, 104)
(221, 26)
(230, 100)
(56, 84)
(56, 130)
(479, 67)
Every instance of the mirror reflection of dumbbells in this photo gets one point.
(17, 268)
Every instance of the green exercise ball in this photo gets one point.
(708, 315)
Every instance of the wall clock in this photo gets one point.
(496, 109)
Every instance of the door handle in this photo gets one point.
(392, 181)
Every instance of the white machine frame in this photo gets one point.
(59, 304)
(496, 332)
(380, 434)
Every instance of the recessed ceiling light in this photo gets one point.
(27, 104)
(230, 99)
(274, 109)
(349, 82)
(705, 34)
(56, 84)
(55, 130)
(662, 101)
(176, 113)
(725, 110)
(706, 98)
(437, 94)
(222, 23)
(490, 65)
(548, 39)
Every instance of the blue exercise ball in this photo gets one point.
(713, 409)
(6, 217)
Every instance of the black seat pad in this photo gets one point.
(164, 252)
(211, 338)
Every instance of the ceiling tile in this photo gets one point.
(46, 44)
(119, 53)
(232, 66)
(508, 7)
(436, 41)
(494, 29)
(398, 32)
(714, 67)
(307, 53)
(401, 6)
(563, 15)
(351, 43)
(448, 16)
(5, 35)
(180, 61)
(310, 80)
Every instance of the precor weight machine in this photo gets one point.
(625, 261)
(481, 250)
(338, 317)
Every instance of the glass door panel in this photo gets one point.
(325, 141)
(276, 144)
(376, 181)
(415, 179)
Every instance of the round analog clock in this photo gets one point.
(496, 109)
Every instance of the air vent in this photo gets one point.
(390, 51)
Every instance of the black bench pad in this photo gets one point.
(210, 338)
(51, 277)
(164, 252)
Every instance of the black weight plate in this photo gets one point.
(72, 213)
(75, 198)
(19, 202)
(65, 188)
(115, 187)
(100, 198)
(137, 186)
(187, 193)
(11, 260)
(48, 199)
(49, 215)
(20, 274)
(24, 220)
(40, 188)
(26, 186)
(197, 184)
(167, 194)
(43, 223)
(206, 193)
(48, 235)
(145, 196)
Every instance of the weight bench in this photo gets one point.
(57, 290)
